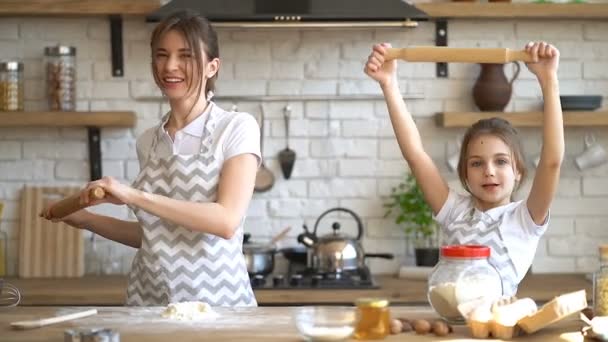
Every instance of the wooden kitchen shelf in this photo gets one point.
(67, 119)
(521, 119)
(80, 7)
(507, 10)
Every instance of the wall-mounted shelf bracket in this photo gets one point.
(441, 39)
(116, 41)
(94, 152)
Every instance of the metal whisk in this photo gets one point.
(9, 294)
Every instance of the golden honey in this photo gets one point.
(373, 319)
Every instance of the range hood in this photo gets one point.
(299, 13)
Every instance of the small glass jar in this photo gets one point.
(60, 64)
(600, 284)
(373, 319)
(11, 86)
(462, 274)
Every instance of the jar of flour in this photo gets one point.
(462, 275)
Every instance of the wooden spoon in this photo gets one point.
(264, 179)
(22, 325)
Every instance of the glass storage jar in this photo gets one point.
(462, 274)
(600, 284)
(373, 319)
(11, 86)
(61, 77)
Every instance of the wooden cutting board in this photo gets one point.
(47, 249)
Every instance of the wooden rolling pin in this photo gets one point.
(458, 55)
(72, 204)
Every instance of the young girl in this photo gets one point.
(197, 175)
(490, 168)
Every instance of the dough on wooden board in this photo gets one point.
(189, 311)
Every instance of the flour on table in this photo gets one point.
(189, 311)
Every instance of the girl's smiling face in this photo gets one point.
(491, 171)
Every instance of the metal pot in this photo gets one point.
(259, 258)
(337, 252)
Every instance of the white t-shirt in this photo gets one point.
(235, 133)
(509, 230)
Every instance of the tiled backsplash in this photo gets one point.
(346, 152)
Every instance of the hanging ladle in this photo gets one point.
(287, 157)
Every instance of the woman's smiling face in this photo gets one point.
(177, 71)
(491, 171)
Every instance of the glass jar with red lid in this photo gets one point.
(463, 274)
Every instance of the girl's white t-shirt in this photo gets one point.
(235, 133)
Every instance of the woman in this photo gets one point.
(197, 175)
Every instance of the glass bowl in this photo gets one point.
(325, 323)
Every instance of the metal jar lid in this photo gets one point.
(91, 335)
(60, 50)
(11, 66)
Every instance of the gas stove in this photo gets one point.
(310, 279)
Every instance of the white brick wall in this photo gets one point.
(346, 151)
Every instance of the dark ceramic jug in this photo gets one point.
(492, 90)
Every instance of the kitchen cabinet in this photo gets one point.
(508, 10)
(522, 119)
(231, 324)
(110, 290)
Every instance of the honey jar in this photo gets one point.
(373, 319)
(600, 284)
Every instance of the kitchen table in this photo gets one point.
(232, 324)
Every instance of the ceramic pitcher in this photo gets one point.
(492, 90)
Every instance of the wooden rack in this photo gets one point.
(91, 120)
(522, 119)
(507, 10)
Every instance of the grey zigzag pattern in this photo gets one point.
(180, 258)
(149, 286)
(467, 231)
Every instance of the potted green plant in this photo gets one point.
(416, 218)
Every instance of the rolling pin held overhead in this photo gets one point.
(72, 203)
(458, 55)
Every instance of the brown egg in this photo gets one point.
(440, 328)
(422, 326)
(396, 326)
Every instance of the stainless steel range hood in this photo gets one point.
(299, 13)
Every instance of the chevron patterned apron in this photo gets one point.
(479, 228)
(175, 264)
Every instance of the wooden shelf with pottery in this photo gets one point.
(70, 7)
(508, 10)
(522, 119)
(67, 119)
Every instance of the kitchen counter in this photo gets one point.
(231, 324)
(110, 290)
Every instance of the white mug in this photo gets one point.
(593, 155)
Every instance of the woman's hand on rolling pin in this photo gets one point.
(76, 219)
(115, 192)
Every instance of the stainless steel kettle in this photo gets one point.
(337, 252)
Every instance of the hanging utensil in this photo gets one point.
(287, 157)
(264, 179)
